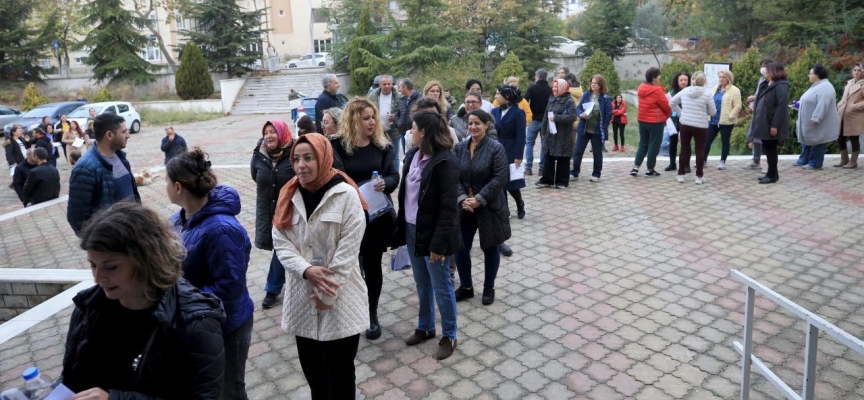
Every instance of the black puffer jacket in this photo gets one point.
(269, 179)
(185, 359)
(437, 213)
(14, 155)
(771, 111)
(485, 176)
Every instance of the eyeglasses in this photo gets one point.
(472, 102)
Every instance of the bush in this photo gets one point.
(511, 66)
(738, 141)
(32, 98)
(103, 95)
(193, 80)
(454, 74)
(746, 71)
(601, 64)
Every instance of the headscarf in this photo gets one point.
(510, 93)
(283, 135)
(560, 88)
(324, 154)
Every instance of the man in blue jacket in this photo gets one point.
(101, 177)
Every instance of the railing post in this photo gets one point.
(748, 344)
(810, 355)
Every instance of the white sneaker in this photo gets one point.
(700, 181)
(680, 178)
(721, 165)
(595, 179)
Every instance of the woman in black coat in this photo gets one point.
(510, 124)
(483, 173)
(271, 169)
(142, 332)
(428, 224)
(771, 118)
(361, 153)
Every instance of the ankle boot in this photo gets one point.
(853, 161)
(520, 209)
(844, 158)
(374, 331)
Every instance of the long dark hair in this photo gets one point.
(617, 104)
(675, 87)
(436, 136)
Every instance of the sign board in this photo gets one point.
(712, 72)
(56, 44)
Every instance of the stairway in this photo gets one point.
(269, 94)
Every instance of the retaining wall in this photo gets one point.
(18, 297)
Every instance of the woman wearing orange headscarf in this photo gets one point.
(558, 147)
(317, 230)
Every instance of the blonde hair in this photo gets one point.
(351, 124)
(441, 100)
(698, 79)
(728, 74)
(512, 80)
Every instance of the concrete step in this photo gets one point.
(269, 94)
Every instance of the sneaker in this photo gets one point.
(721, 165)
(797, 164)
(810, 167)
(651, 172)
(634, 172)
(488, 296)
(445, 348)
(615, 148)
(604, 149)
(671, 167)
(270, 300)
(680, 178)
(595, 179)
(574, 177)
(560, 187)
(542, 184)
(528, 172)
(621, 148)
(753, 166)
(419, 337)
(700, 180)
(463, 293)
(505, 250)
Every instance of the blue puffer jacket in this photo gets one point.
(91, 187)
(217, 254)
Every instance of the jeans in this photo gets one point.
(236, 352)
(770, 148)
(275, 276)
(725, 136)
(688, 132)
(433, 284)
(533, 133)
(813, 155)
(329, 367)
(757, 151)
(650, 136)
(491, 257)
(397, 143)
(596, 148)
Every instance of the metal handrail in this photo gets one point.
(815, 324)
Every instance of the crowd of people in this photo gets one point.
(171, 315)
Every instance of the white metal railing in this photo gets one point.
(815, 324)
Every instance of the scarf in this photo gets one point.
(283, 134)
(560, 87)
(324, 154)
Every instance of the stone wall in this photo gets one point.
(18, 297)
(630, 67)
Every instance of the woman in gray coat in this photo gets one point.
(558, 147)
(771, 117)
(818, 120)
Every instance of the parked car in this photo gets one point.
(31, 119)
(307, 105)
(320, 60)
(567, 46)
(121, 108)
(7, 114)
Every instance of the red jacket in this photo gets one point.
(620, 112)
(653, 105)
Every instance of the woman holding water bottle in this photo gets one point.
(317, 233)
(361, 149)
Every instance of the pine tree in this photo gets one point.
(32, 98)
(605, 26)
(115, 44)
(227, 34)
(193, 80)
(601, 64)
(510, 67)
(361, 76)
(21, 44)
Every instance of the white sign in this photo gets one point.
(712, 72)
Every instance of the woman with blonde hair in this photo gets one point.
(698, 108)
(362, 150)
(727, 101)
(434, 90)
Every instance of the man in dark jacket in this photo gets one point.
(403, 115)
(43, 181)
(42, 140)
(21, 173)
(327, 99)
(538, 97)
(102, 176)
(172, 144)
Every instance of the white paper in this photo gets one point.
(61, 392)
(56, 144)
(552, 128)
(78, 142)
(12, 171)
(376, 200)
(670, 127)
(517, 173)
(587, 107)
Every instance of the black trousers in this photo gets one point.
(769, 147)
(556, 171)
(370, 262)
(618, 129)
(673, 149)
(329, 367)
(237, 345)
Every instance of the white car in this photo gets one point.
(567, 47)
(320, 60)
(121, 108)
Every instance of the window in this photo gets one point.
(122, 108)
(79, 60)
(45, 63)
(320, 15)
(151, 52)
(324, 45)
(154, 22)
(6, 111)
(181, 23)
(256, 47)
(281, 13)
(110, 110)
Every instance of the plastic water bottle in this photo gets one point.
(375, 176)
(36, 385)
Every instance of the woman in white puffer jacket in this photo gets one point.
(696, 109)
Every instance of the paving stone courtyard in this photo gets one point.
(616, 290)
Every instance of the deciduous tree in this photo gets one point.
(605, 26)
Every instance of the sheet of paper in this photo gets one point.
(56, 144)
(376, 200)
(587, 107)
(12, 171)
(78, 142)
(517, 173)
(670, 127)
(552, 128)
(61, 392)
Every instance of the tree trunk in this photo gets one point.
(159, 41)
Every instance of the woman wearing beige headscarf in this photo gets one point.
(851, 109)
